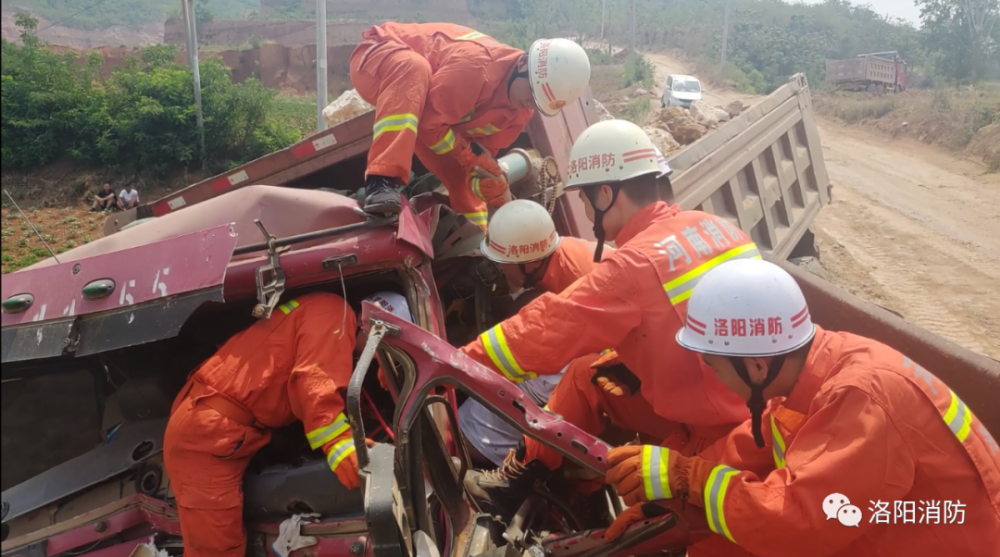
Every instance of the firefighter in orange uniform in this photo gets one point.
(439, 87)
(523, 242)
(631, 302)
(845, 432)
(294, 366)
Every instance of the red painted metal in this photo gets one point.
(414, 230)
(554, 137)
(129, 514)
(335, 144)
(439, 363)
(375, 249)
(142, 274)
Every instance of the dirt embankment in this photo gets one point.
(290, 69)
(965, 120)
(117, 35)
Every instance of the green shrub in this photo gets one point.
(638, 71)
(637, 110)
(141, 119)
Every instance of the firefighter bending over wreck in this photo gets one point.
(439, 87)
(633, 302)
(294, 366)
(844, 432)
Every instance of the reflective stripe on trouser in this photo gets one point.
(715, 498)
(655, 463)
(456, 180)
(488, 129)
(288, 306)
(471, 36)
(496, 346)
(323, 435)
(476, 190)
(395, 81)
(680, 288)
(395, 123)
(778, 444)
(340, 451)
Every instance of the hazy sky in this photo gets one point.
(905, 9)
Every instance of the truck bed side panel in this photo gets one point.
(764, 170)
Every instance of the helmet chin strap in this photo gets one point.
(532, 277)
(591, 194)
(756, 402)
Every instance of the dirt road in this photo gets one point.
(914, 230)
(911, 228)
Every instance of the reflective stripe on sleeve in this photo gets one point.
(680, 288)
(715, 498)
(959, 418)
(339, 452)
(323, 435)
(395, 123)
(477, 217)
(287, 307)
(498, 351)
(446, 144)
(475, 188)
(778, 445)
(655, 463)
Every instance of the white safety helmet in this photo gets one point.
(746, 307)
(611, 151)
(558, 73)
(665, 169)
(392, 302)
(520, 232)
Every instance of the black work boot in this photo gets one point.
(381, 197)
(505, 488)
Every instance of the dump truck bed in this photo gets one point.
(865, 69)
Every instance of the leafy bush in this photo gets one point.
(142, 118)
(637, 111)
(638, 71)
(599, 57)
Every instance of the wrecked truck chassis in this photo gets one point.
(433, 363)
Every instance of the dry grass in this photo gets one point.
(63, 229)
(955, 119)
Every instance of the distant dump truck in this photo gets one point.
(877, 72)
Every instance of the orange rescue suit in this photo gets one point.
(436, 87)
(867, 423)
(634, 302)
(294, 366)
(572, 259)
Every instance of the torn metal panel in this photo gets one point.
(439, 363)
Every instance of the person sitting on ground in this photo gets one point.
(104, 199)
(128, 198)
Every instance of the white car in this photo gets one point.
(680, 90)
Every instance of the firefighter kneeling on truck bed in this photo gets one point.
(437, 87)
(293, 366)
(843, 429)
(632, 302)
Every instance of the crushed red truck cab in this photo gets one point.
(136, 311)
